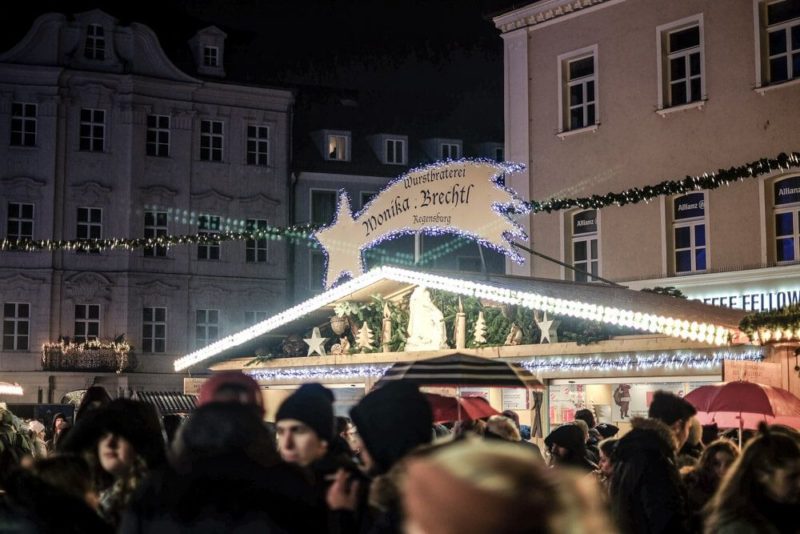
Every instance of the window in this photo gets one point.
(681, 62)
(93, 130)
(395, 151)
(23, 124)
(208, 225)
(316, 272)
(689, 233)
(469, 264)
(323, 206)
(206, 327)
(16, 325)
(254, 317)
(449, 151)
(210, 56)
(87, 322)
(780, 32)
(577, 74)
(499, 154)
(585, 246)
(256, 249)
(338, 148)
(211, 140)
(95, 42)
(258, 145)
(787, 220)
(20, 221)
(154, 329)
(155, 224)
(90, 225)
(366, 196)
(158, 135)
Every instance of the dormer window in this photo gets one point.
(395, 151)
(210, 56)
(338, 147)
(95, 42)
(450, 151)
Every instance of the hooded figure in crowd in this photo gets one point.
(567, 447)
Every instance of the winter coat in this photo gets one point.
(647, 495)
(226, 494)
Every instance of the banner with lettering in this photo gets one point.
(690, 206)
(462, 197)
(787, 191)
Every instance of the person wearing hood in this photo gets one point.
(60, 424)
(391, 421)
(647, 495)
(567, 447)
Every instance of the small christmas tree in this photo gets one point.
(365, 338)
(479, 336)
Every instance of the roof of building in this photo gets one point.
(168, 402)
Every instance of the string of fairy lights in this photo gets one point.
(303, 233)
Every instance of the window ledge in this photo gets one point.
(586, 129)
(764, 89)
(699, 105)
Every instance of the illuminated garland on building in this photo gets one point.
(10, 389)
(773, 325)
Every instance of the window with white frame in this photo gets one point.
(211, 140)
(210, 56)
(23, 124)
(585, 246)
(155, 225)
(449, 151)
(780, 41)
(16, 325)
(689, 233)
(787, 219)
(208, 225)
(206, 327)
(256, 249)
(89, 225)
(93, 130)
(578, 77)
(338, 147)
(158, 135)
(154, 329)
(323, 206)
(681, 62)
(257, 145)
(254, 317)
(95, 47)
(87, 322)
(395, 151)
(20, 221)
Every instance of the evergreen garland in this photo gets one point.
(787, 318)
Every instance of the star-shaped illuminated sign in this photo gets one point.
(344, 253)
(316, 343)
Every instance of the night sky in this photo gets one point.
(438, 61)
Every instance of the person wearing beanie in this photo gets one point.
(305, 425)
(232, 386)
(567, 447)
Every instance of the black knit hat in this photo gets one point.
(569, 436)
(311, 404)
(392, 420)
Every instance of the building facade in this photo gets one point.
(606, 95)
(101, 136)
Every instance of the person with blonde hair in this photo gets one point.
(501, 427)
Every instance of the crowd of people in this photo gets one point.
(386, 468)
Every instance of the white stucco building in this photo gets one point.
(102, 136)
(606, 95)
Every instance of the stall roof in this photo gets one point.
(168, 402)
(649, 312)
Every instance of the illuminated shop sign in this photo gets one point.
(755, 301)
(787, 191)
(690, 206)
(585, 222)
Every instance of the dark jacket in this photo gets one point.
(647, 495)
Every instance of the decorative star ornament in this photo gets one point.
(316, 343)
(549, 329)
(341, 243)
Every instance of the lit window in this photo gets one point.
(257, 145)
(158, 135)
(155, 225)
(689, 233)
(95, 42)
(449, 151)
(210, 56)
(681, 49)
(23, 124)
(211, 138)
(16, 326)
(323, 206)
(256, 249)
(209, 226)
(337, 148)
(20, 221)
(154, 329)
(93, 130)
(87, 322)
(787, 220)
(206, 327)
(395, 151)
(585, 246)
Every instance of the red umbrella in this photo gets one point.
(744, 405)
(447, 409)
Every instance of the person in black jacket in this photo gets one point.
(647, 495)
(567, 448)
